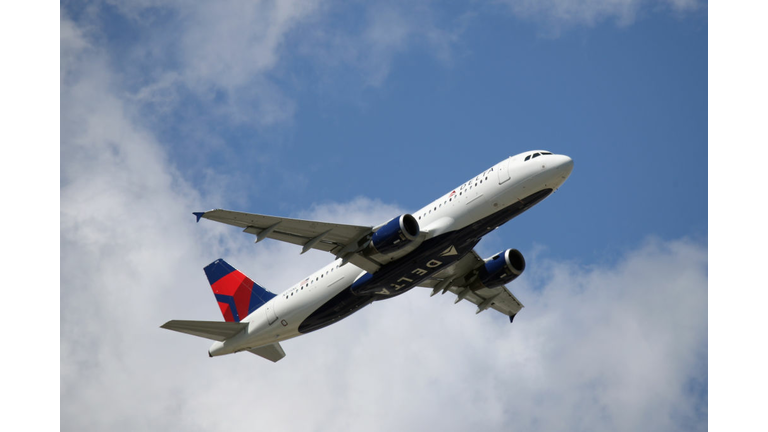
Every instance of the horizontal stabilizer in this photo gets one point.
(272, 352)
(214, 330)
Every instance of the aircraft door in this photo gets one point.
(503, 169)
(270, 311)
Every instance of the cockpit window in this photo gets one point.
(535, 155)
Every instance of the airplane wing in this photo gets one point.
(344, 241)
(460, 279)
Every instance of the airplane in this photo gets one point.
(432, 248)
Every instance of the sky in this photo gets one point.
(356, 112)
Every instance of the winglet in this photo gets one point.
(198, 215)
(511, 318)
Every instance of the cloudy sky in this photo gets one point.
(356, 112)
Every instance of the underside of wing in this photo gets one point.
(341, 240)
(461, 280)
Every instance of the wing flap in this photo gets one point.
(502, 300)
(296, 231)
(214, 330)
(342, 240)
(458, 280)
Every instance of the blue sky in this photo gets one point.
(356, 112)
(409, 120)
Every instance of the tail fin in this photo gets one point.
(237, 295)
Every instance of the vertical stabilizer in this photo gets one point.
(237, 295)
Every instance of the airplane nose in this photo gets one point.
(566, 166)
(562, 169)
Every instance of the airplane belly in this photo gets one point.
(329, 304)
(335, 309)
(393, 279)
(398, 277)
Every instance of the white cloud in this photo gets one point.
(231, 56)
(621, 347)
(364, 52)
(222, 54)
(229, 43)
(556, 15)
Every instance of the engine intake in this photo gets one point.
(395, 234)
(502, 268)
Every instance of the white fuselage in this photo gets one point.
(510, 180)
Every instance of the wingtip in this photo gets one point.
(198, 215)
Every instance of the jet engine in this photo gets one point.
(501, 268)
(395, 234)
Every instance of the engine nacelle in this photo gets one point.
(395, 234)
(502, 268)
